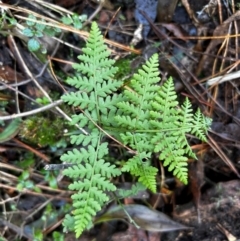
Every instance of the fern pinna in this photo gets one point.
(146, 117)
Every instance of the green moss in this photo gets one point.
(42, 131)
(124, 67)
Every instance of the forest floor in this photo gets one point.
(197, 42)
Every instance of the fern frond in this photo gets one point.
(157, 122)
(96, 98)
(150, 107)
(146, 117)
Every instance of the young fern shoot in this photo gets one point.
(146, 117)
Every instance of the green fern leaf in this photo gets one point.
(146, 117)
(90, 171)
(155, 122)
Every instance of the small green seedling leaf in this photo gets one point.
(28, 32)
(38, 34)
(44, 100)
(76, 21)
(67, 20)
(33, 45)
(29, 22)
(11, 20)
(40, 26)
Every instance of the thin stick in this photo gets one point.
(32, 112)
